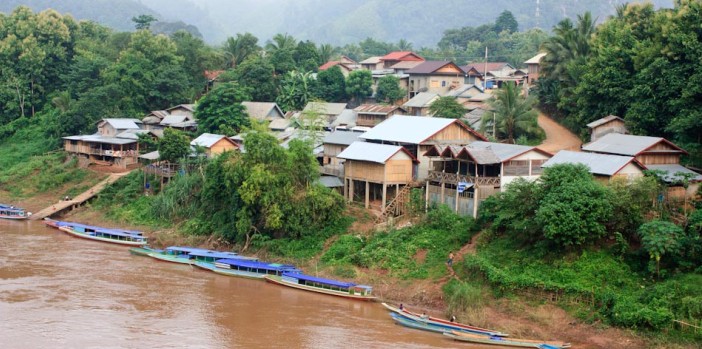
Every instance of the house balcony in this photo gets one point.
(104, 152)
(454, 178)
(332, 170)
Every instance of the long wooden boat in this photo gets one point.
(91, 232)
(446, 325)
(12, 212)
(324, 286)
(187, 255)
(247, 268)
(510, 342)
(419, 325)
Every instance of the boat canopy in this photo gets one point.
(213, 254)
(259, 265)
(96, 228)
(188, 249)
(319, 280)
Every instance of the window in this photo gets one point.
(434, 83)
(443, 83)
(516, 168)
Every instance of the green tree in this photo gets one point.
(296, 90)
(659, 239)
(447, 107)
(326, 52)
(238, 49)
(197, 57)
(331, 85)
(281, 49)
(359, 84)
(174, 146)
(306, 56)
(512, 114)
(389, 90)
(221, 112)
(143, 21)
(258, 75)
(506, 22)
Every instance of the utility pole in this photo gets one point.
(537, 15)
(485, 70)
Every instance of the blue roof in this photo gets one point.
(186, 249)
(320, 280)
(259, 265)
(101, 229)
(213, 254)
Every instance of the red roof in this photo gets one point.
(401, 56)
(213, 74)
(330, 64)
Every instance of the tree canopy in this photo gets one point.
(221, 112)
(447, 107)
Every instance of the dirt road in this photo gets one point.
(557, 136)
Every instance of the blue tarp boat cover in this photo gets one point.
(212, 254)
(96, 228)
(319, 280)
(186, 249)
(259, 265)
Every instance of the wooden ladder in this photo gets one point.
(397, 206)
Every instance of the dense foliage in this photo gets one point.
(633, 66)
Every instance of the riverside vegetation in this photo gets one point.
(610, 254)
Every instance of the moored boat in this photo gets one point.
(443, 325)
(247, 268)
(419, 325)
(509, 342)
(12, 212)
(91, 232)
(325, 286)
(188, 255)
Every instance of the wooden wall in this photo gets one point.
(221, 146)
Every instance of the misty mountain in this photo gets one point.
(338, 22)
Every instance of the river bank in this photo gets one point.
(517, 316)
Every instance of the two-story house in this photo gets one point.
(435, 77)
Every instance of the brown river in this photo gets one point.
(57, 291)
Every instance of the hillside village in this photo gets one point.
(374, 154)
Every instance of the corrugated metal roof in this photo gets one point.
(615, 143)
(373, 152)
(279, 124)
(672, 169)
(601, 164)
(123, 124)
(342, 137)
(371, 60)
(331, 181)
(190, 107)
(536, 59)
(421, 100)
(428, 67)
(261, 110)
(405, 65)
(101, 139)
(407, 129)
(480, 67)
(375, 109)
(326, 108)
(173, 119)
(502, 151)
(603, 121)
(207, 140)
(483, 156)
(465, 91)
(401, 55)
(154, 155)
(347, 117)
(132, 134)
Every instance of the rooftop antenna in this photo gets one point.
(537, 15)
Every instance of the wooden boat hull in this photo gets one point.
(512, 342)
(445, 324)
(229, 272)
(170, 258)
(141, 251)
(279, 281)
(74, 233)
(14, 218)
(401, 320)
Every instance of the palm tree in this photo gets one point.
(62, 101)
(326, 52)
(239, 48)
(281, 42)
(568, 44)
(513, 114)
(404, 45)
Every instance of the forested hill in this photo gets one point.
(328, 21)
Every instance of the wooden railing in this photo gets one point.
(332, 170)
(113, 153)
(453, 178)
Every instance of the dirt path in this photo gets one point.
(557, 136)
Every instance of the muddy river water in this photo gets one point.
(58, 291)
